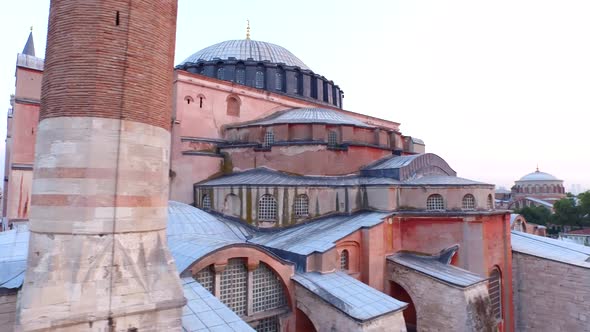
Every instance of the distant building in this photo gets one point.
(536, 189)
(579, 236)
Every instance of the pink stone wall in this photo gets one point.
(28, 84)
(24, 133)
(306, 159)
(453, 196)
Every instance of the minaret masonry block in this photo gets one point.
(98, 257)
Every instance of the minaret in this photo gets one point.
(98, 258)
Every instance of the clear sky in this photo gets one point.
(494, 87)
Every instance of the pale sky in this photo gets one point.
(493, 87)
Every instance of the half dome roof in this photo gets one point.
(245, 49)
(305, 115)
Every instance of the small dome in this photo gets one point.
(245, 49)
(539, 176)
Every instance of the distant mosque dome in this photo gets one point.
(247, 49)
(539, 176)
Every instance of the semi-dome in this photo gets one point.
(305, 115)
(245, 49)
(539, 176)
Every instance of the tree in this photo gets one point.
(536, 214)
(567, 213)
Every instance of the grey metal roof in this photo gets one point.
(444, 180)
(393, 161)
(318, 235)
(305, 115)
(193, 233)
(29, 48)
(204, 312)
(245, 49)
(263, 176)
(538, 176)
(353, 297)
(555, 250)
(14, 246)
(432, 267)
(540, 201)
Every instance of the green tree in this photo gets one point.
(567, 213)
(536, 214)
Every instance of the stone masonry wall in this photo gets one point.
(326, 318)
(8, 310)
(440, 307)
(549, 295)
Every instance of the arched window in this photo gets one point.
(241, 76)
(344, 260)
(490, 204)
(267, 208)
(435, 202)
(188, 100)
(495, 291)
(269, 138)
(278, 81)
(301, 206)
(206, 202)
(259, 81)
(233, 106)
(332, 138)
(232, 205)
(266, 296)
(298, 89)
(220, 73)
(468, 202)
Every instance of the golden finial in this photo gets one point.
(31, 28)
(248, 30)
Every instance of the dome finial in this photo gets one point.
(537, 167)
(248, 30)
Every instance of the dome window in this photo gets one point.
(259, 82)
(241, 76)
(206, 202)
(435, 202)
(267, 208)
(233, 106)
(490, 202)
(468, 202)
(344, 260)
(220, 73)
(279, 82)
(332, 138)
(495, 291)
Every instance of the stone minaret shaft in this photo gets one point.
(98, 257)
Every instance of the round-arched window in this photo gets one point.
(490, 204)
(435, 202)
(267, 208)
(301, 206)
(206, 202)
(495, 291)
(468, 202)
(344, 260)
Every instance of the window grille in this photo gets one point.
(435, 202)
(206, 204)
(220, 73)
(267, 290)
(296, 88)
(278, 81)
(490, 202)
(241, 76)
(267, 208)
(206, 278)
(259, 82)
(270, 324)
(495, 290)
(269, 138)
(344, 260)
(468, 202)
(301, 206)
(332, 138)
(234, 286)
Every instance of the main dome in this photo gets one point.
(245, 49)
(539, 176)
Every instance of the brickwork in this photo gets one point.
(111, 68)
(549, 295)
(441, 307)
(326, 318)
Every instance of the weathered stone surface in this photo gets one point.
(549, 295)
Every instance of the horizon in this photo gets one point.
(495, 89)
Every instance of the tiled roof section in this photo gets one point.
(14, 246)
(354, 298)
(409, 167)
(193, 233)
(555, 250)
(318, 235)
(393, 161)
(432, 267)
(444, 180)
(266, 177)
(540, 201)
(245, 49)
(204, 312)
(305, 115)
